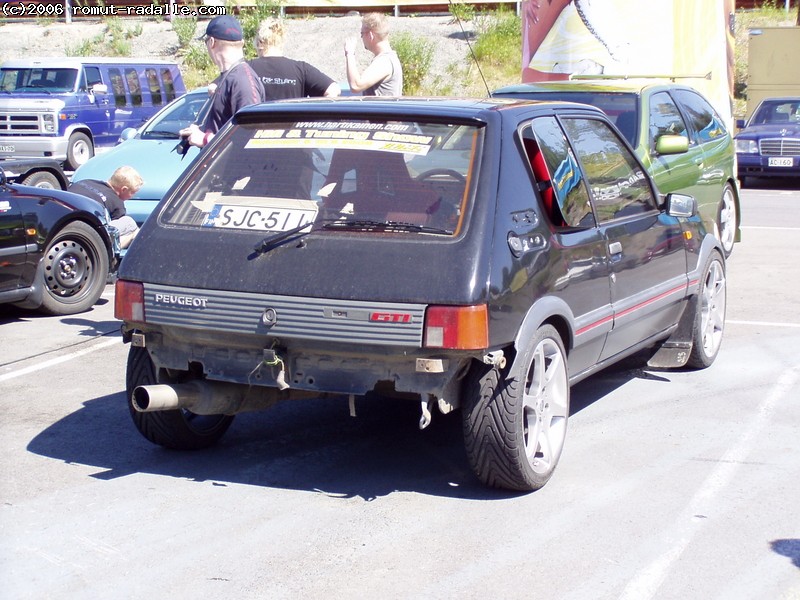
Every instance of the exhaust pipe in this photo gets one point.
(204, 397)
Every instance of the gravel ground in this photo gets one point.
(317, 40)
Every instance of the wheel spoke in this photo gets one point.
(545, 407)
(713, 309)
(727, 220)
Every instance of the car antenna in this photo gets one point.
(471, 51)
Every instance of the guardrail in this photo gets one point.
(69, 10)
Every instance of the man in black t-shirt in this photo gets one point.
(284, 77)
(122, 185)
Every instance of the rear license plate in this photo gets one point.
(259, 218)
(9, 149)
(780, 161)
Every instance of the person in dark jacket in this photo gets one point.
(236, 87)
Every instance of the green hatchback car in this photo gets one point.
(675, 132)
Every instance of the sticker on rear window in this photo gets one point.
(381, 137)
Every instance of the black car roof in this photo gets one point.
(358, 106)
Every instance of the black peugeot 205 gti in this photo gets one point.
(479, 255)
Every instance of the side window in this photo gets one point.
(155, 88)
(134, 87)
(169, 84)
(118, 87)
(665, 118)
(563, 191)
(92, 77)
(703, 118)
(620, 188)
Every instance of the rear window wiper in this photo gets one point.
(273, 241)
(377, 225)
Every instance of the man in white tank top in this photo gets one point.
(384, 75)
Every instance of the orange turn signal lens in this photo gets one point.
(457, 327)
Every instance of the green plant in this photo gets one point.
(497, 49)
(116, 41)
(416, 55)
(461, 11)
(82, 48)
(197, 68)
(184, 28)
(251, 16)
(499, 36)
(158, 17)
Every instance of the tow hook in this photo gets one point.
(271, 359)
(496, 359)
(426, 417)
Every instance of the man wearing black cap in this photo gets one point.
(236, 87)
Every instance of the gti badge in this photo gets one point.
(269, 317)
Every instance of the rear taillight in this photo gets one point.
(129, 301)
(457, 327)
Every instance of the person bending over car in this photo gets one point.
(122, 185)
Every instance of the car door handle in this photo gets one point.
(615, 248)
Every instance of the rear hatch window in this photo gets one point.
(354, 176)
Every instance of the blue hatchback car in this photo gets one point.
(150, 150)
(768, 145)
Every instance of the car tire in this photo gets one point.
(515, 422)
(742, 181)
(74, 270)
(42, 179)
(727, 219)
(177, 429)
(709, 319)
(79, 150)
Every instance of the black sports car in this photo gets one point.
(55, 249)
(473, 254)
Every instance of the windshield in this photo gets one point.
(178, 115)
(53, 81)
(777, 112)
(277, 177)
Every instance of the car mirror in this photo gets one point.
(99, 88)
(681, 205)
(127, 133)
(672, 144)
(2, 177)
(740, 123)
